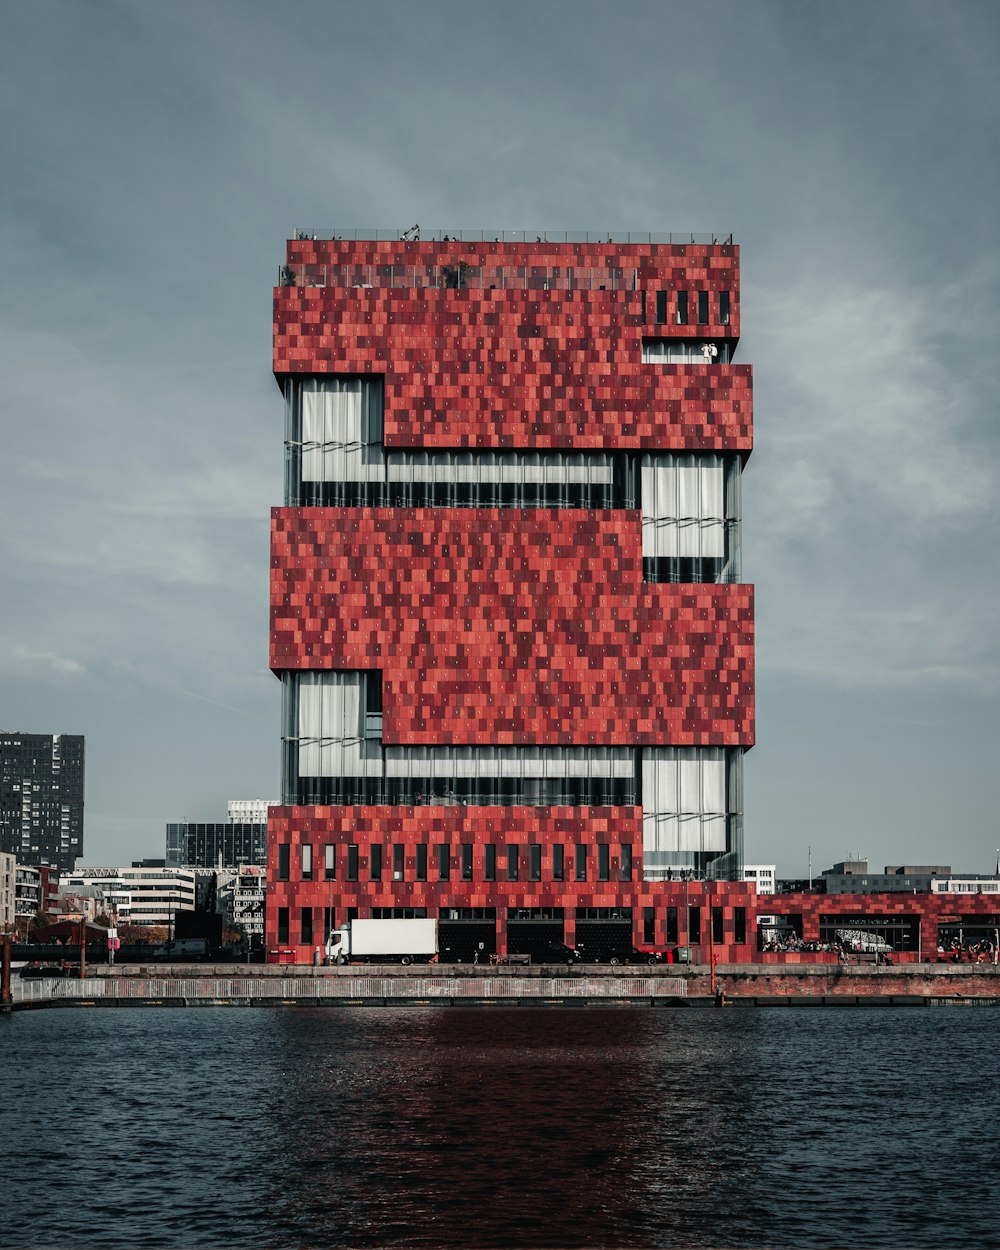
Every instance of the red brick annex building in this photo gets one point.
(506, 601)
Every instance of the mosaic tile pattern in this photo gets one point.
(512, 626)
(482, 826)
(931, 909)
(523, 368)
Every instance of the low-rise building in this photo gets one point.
(27, 893)
(140, 895)
(241, 900)
(8, 879)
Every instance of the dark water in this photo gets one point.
(487, 1127)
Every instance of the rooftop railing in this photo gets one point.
(415, 233)
(460, 276)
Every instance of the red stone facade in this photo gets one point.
(515, 367)
(535, 626)
(910, 920)
(499, 827)
(510, 627)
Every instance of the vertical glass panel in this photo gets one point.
(558, 862)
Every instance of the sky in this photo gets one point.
(157, 156)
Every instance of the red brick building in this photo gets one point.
(507, 611)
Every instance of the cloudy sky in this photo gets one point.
(156, 156)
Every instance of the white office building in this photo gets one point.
(137, 895)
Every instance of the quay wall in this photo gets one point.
(734, 980)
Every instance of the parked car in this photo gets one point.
(36, 969)
(559, 952)
(648, 955)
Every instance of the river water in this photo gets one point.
(500, 1127)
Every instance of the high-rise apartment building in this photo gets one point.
(41, 798)
(507, 612)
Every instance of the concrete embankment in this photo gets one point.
(734, 986)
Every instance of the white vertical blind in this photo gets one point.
(342, 430)
(331, 734)
(683, 799)
(683, 505)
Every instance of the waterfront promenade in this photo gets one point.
(733, 985)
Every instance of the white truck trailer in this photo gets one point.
(384, 942)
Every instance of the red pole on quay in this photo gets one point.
(6, 993)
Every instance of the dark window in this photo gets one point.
(723, 308)
(306, 925)
(718, 932)
(581, 862)
(328, 922)
(661, 305)
(490, 863)
(373, 704)
(422, 862)
(307, 861)
(682, 308)
(398, 851)
(625, 868)
(694, 924)
(535, 863)
(559, 863)
(284, 858)
(282, 926)
(375, 861)
(330, 862)
(739, 925)
(603, 861)
(466, 861)
(352, 862)
(511, 863)
(672, 926)
(703, 308)
(352, 914)
(648, 925)
(444, 861)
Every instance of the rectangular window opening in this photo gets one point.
(422, 862)
(511, 863)
(330, 862)
(559, 863)
(535, 863)
(375, 861)
(661, 305)
(603, 862)
(703, 308)
(490, 863)
(284, 862)
(352, 862)
(307, 861)
(466, 861)
(581, 862)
